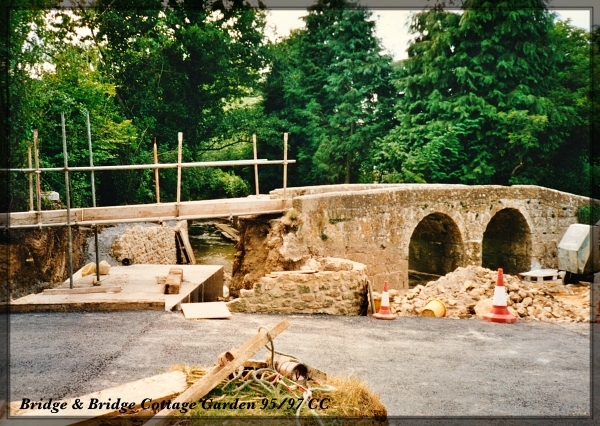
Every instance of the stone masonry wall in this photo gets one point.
(373, 224)
(146, 245)
(338, 287)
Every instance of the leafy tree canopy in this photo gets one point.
(331, 84)
(483, 99)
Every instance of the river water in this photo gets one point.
(210, 247)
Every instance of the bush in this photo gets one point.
(589, 214)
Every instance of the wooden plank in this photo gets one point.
(218, 374)
(173, 284)
(160, 387)
(183, 234)
(228, 232)
(176, 271)
(206, 310)
(255, 364)
(83, 290)
(204, 208)
(302, 271)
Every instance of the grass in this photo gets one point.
(350, 402)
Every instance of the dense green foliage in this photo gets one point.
(492, 95)
(500, 93)
(331, 85)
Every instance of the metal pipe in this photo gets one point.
(285, 162)
(89, 131)
(29, 161)
(67, 199)
(38, 191)
(179, 142)
(156, 173)
(153, 166)
(97, 252)
(255, 165)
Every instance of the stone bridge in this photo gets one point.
(433, 228)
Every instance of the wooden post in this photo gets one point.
(89, 132)
(38, 190)
(285, 142)
(156, 173)
(67, 199)
(180, 140)
(255, 165)
(219, 373)
(29, 161)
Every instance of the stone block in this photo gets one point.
(246, 293)
(303, 289)
(288, 286)
(299, 305)
(237, 305)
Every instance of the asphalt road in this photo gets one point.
(418, 366)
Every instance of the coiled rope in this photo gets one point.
(268, 379)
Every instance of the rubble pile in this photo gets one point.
(469, 289)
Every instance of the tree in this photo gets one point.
(478, 104)
(70, 84)
(179, 68)
(331, 84)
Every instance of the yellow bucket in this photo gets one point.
(434, 308)
(377, 304)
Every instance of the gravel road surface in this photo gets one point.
(419, 366)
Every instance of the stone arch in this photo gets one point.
(506, 242)
(436, 247)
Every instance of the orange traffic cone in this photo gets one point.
(384, 311)
(499, 312)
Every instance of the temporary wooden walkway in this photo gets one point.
(252, 205)
(140, 289)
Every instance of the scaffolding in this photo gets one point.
(36, 171)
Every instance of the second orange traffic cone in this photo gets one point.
(499, 312)
(384, 311)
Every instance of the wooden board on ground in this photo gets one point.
(539, 275)
(83, 290)
(206, 310)
(159, 387)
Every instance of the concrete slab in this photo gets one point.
(140, 290)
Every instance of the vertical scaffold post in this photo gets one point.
(29, 164)
(156, 172)
(255, 165)
(285, 163)
(38, 190)
(67, 199)
(89, 132)
(180, 141)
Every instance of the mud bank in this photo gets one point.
(32, 259)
